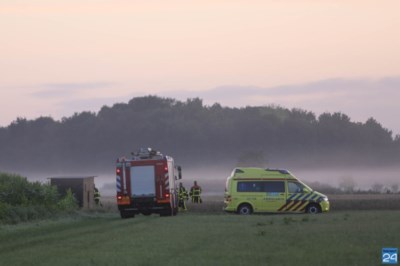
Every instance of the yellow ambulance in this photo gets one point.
(253, 190)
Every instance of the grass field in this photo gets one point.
(201, 238)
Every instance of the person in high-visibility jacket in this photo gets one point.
(195, 193)
(183, 196)
(97, 197)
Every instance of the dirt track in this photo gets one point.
(214, 204)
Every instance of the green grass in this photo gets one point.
(337, 238)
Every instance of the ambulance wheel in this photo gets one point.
(245, 209)
(313, 209)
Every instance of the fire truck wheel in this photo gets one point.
(127, 214)
(146, 212)
(166, 212)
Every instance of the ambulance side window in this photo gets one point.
(294, 187)
(274, 186)
(249, 186)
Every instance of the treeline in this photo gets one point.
(194, 133)
(346, 187)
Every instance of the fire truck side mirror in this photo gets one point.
(179, 172)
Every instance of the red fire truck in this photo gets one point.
(147, 183)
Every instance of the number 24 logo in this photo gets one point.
(389, 257)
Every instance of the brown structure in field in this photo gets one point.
(81, 186)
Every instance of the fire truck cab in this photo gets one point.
(147, 183)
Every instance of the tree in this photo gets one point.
(377, 187)
(394, 188)
(252, 159)
(347, 184)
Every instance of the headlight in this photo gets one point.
(325, 199)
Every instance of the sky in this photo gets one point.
(61, 57)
